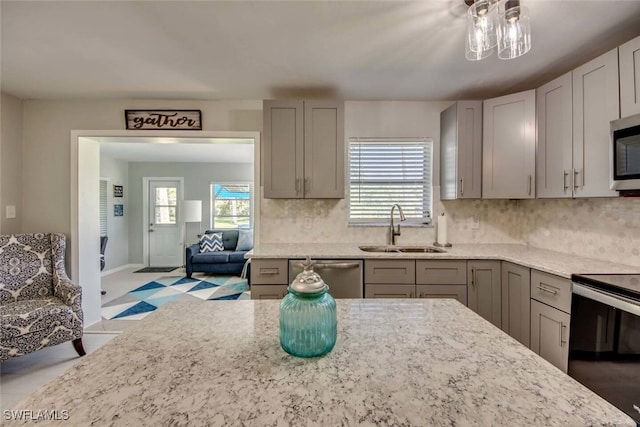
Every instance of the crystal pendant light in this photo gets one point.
(514, 31)
(482, 29)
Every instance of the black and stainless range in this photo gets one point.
(604, 344)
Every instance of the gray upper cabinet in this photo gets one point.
(630, 78)
(303, 153)
(461, 151)
(596, 101)
(509, 146)
(554, 155)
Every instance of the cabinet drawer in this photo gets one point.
(389, 291)
(269, 272)
(268, 291)
(387, 271)
(552, 290)
(458, 292)
(450, 272)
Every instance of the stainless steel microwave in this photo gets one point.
(625, 153)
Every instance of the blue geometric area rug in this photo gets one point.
(141, 301)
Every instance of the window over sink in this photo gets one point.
(386, 171)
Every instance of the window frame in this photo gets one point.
(383, 220)
(212, 200)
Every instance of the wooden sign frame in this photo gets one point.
(163, 119)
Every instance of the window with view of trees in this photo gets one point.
(386, 171)
(231, 205)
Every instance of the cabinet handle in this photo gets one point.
(410, 294)
(562, 328)
(270, 271)
(473, 277)
(462, 186)
(420, 295)
(297, 185)
(307, 182)
(575, 179)
(530, 186)
(551, 291)
(564, 180)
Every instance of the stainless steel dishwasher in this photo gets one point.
(344, 277)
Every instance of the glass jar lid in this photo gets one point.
(308, 281)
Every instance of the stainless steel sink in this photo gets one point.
(402, 249)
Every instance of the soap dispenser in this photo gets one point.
(308, 319)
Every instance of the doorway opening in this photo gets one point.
(89, 147)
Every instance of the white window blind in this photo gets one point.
(385, 171)
(103, 207)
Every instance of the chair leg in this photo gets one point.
(77, 344)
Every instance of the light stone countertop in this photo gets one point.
(396, 362)
(553, 262)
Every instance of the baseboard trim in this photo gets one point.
(122, 267)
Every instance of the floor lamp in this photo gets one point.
(191, 211)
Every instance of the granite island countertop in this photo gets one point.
(553, 262)
(396, 362)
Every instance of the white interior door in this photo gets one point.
(164, 231)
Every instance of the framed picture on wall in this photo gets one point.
(118, 191)
(118, 210)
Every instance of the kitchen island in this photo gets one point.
(396, 362)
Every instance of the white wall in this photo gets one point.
(117, 173)
(11, 163)
(46, 145)
(197, 178)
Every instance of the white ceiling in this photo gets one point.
(171, 150)
(356, 50)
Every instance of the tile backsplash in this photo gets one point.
(607, 228)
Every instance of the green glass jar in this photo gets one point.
(308, 320)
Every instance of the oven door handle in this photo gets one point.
(619, 302)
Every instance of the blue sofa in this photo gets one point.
(229, 262)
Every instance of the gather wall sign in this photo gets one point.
(163, 119)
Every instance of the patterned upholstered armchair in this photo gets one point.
(39, 305)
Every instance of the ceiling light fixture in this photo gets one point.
(501, 24)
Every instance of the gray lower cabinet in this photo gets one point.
(268, 291)
(516, 301)
(484, 290)
(389, 291)
(458, 292)
(269, 278)
(442, 279)
(550, 334)
(550, 317)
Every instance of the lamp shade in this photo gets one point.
(191, 210)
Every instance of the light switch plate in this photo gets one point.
(10, 212)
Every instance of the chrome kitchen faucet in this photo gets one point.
(393, 233)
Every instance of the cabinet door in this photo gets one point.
(596, 101)
(516, 301)
(550, 334)
(630, 78)
(484, 293)
(509, 147)
(461, 151)
(458, 292)
(390, 271)
(389, 291)
(324, 149)
(283, 149)
(554, 154)
(268, 291)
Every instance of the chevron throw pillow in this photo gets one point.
(211, 242)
